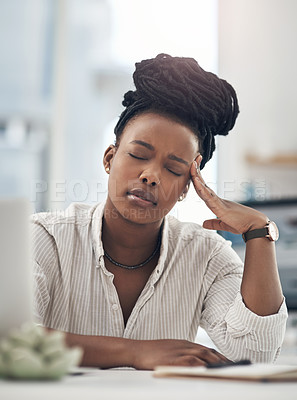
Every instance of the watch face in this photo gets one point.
(273, 231)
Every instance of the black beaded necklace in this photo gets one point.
(137, 265)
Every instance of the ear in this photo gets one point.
(108, 157)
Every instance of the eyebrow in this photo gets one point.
(175, 158)
(150, 147)
(145, 144)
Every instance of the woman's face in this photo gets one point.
(150, 168)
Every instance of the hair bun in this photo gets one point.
(179, 87)
(154, 78)
(129, 98)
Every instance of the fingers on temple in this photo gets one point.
(195, 169)
(199, 182)
(205, 192)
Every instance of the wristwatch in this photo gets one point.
(269, 231)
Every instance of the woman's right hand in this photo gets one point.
(147, 354)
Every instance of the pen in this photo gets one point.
(75, 373)
(228, 364)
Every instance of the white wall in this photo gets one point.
(257, 55)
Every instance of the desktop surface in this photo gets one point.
(131, 384)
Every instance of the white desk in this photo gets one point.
(141, 385)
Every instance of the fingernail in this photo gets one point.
(197, 167)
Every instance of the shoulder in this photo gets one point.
(193, 232)
(52, 232)
(75, 214)
(202, 245)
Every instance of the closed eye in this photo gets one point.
(134, 156)
(174, 173)
(141, 158)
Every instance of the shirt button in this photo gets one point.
(115, 307)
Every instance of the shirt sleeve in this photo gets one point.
(44, 257)
(236, 331)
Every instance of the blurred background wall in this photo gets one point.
(65, 65)
(257, 53)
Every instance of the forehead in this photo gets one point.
(159, 130)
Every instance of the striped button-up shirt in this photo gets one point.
(195, 283)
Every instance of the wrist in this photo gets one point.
(268, 231)
(258, 224)
(131, 352)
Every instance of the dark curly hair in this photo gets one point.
(180, 89)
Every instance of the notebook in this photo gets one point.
(15, 272)
(253, 372)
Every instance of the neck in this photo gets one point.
(123, 239)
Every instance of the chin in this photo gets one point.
(139, 215)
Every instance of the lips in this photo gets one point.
(142, 194)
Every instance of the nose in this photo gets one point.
(149, 178)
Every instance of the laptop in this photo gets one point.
(15, 270)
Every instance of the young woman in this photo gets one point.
(131, 284)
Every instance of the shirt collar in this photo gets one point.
(97, 230)
(97, 237)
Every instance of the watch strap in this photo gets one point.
(255, 233)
